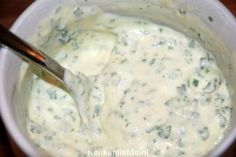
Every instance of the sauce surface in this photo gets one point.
(154, 91)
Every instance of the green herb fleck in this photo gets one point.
(34, 129)
(182, 90)
(204, 133)
(144, 60)
(152, 61)
(209, 84)
(52, 94)
(181, 152)
(192, 29)
(182, 12)
(47, 138)
(195, 82)
(199, 35)
(126, 91)
(210, 18)
(191, 43)
(162, 131)
(58, 9)
(221, 117)
(97, 110)
(170, 47)
(124, 61)
(78, 12)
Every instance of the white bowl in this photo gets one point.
(222, 29)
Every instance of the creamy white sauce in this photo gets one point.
(153, 89)
(79, 87)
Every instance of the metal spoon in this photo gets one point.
(30, 53)
(77, 85)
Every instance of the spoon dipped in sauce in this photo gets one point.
(77, 85)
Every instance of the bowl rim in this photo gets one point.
(228, 140)
(11, 124)
(8, 119)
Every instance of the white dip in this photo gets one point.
(155, 92)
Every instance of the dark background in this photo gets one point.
(9, 11)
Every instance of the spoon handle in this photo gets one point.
(31, 54)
